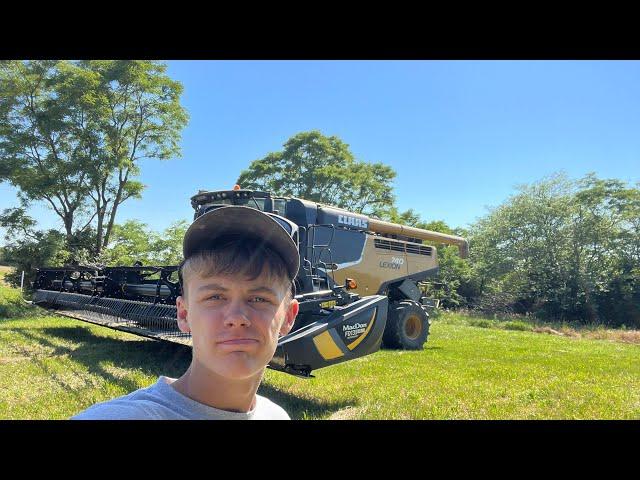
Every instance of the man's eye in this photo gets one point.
(259, 300)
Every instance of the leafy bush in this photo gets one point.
(522, 326)
(43, 248)
(482, 323)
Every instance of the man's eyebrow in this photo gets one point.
(262, 289)
(216, 286)
(212, 286)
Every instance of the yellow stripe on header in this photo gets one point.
(327, 346)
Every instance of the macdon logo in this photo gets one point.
(356, 222)
(354, 330)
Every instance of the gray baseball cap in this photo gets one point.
(273, 230)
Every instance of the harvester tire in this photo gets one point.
(407, 326)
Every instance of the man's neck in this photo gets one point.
(206, 387)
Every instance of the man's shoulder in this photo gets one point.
(269, 410)
(120, 409)
(147, 403)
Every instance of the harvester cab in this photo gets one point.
(324, 243)
(358, 284)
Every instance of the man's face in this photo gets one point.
(235, 323)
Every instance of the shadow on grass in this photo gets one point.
(301, 408)
(425, 347)
(151, 357)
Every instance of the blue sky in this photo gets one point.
(460, 134)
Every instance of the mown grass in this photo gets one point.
(52, 367)
(467, 372)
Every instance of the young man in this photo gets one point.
(237, 299)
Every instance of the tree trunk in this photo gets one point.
(100, 229)
(68, 226)
(114, 209)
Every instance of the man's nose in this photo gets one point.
(237, 314)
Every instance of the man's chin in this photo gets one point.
(239, 369)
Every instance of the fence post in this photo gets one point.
(21, 281)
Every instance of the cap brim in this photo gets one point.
(240, 220)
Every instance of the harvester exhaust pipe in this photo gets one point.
(380, 226)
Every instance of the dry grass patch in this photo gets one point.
(548, 330)
(625, 336)
(3, 271)
(563, 331)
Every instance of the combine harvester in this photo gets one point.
(357, 285)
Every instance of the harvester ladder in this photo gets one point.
(320, 248)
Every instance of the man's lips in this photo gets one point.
(238, 341)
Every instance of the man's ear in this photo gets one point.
(181, 313)
(290, 317)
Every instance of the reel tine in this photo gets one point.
(155, 319)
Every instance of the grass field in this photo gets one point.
(52, 367)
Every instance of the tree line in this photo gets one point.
(561, 249)
(72, 135)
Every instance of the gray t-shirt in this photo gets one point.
(161, 401)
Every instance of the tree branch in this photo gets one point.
(54, 206)
(89, 222)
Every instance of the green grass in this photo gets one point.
(467, 372)
(52, 367)
(11, 302)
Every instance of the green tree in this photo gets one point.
(168, 246)
(134, 241)
(28, 253)
(131, 241)
(454, 276)
(522, 246)
(562, 249)
(322, 169)
(72, 134)
(393, 215)
(27, 248)
(455, 280)
(604, 247)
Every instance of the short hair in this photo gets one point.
(244, 256)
